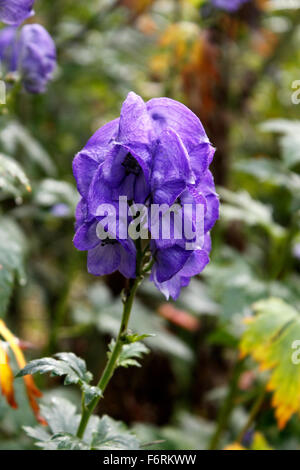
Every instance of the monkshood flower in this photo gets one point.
(229, 5)
(14, 12)
(156, 154)
(31, 52)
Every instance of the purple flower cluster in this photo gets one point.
(14, 12)
(155, 153)
(31, 52)
(229, 5)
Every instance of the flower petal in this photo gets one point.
(7, 379)
(135, 123)
(14, 12)
(104, 259)
(86, 236)
(87, 161)
(37, 59)
(195, 264)
(128, 259)
(171, 170)
(32, 391)
(167, 113)
(169, 262)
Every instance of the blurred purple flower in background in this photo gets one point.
(9, 49)
(31, 52)
(14, 12)
(155, 153)
(229, 5)
(60, 210)
(37, 57)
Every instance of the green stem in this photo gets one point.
(112, 362)
(253, 413)
(227, 406)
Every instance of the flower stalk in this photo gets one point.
(111, 365)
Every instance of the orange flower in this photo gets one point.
(6, 374)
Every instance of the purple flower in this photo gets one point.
(9, 48)
(31, 52)
(105, 256)
(229, 5)
(60, 210)
(37, 57)
(14, 12)
(156, 153)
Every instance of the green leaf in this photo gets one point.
(77, 364)
(129, 354)
(240, 206)
(113, 435)
(66, 442)
(13, 181)
(289, 142)
(133, 338)
(60, 415)
(90, 392)
(38, 433)
(61, 418)
(12, 253)
(272, 339)
(68, 364)
(272, 172)
(63, 421)
(16, 139)
(50, 192)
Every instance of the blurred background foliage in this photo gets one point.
(236, 72)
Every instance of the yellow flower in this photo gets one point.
(6, 374)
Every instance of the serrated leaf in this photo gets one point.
(269, 339)
(67, 364)
(77, 364)
(129, 354)
(113, 435)
(61, 416)
(63, 421)
(66, 442)
(134, 338)
(38, 433)
(90, 392)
